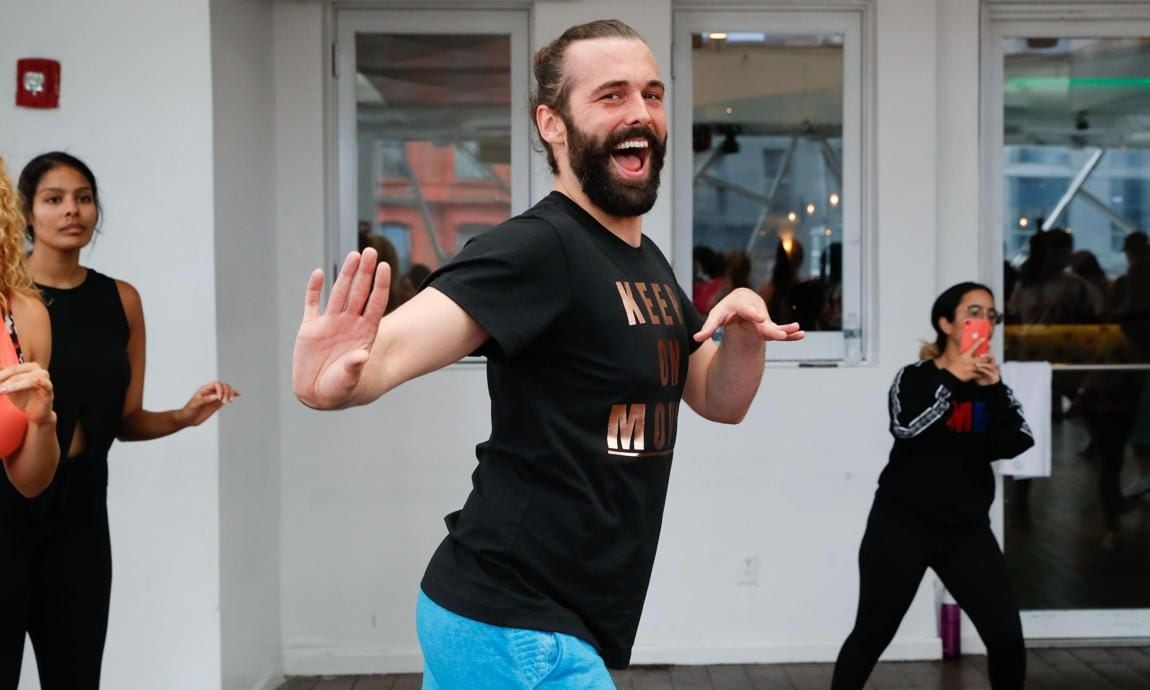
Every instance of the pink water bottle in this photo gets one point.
(950, 627)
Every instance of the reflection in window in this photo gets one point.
(392, 242)
(1076, 179)
(400, 237)
(767, 133)
(433, 119)
(1076, 185)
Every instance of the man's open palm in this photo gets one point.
(332, 345)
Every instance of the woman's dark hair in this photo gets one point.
(1084, 263)
(945, 306)
(551, 83)
(739, 268)
(1049, 254)
(710, 261)
(1135, 243)
(40, 166)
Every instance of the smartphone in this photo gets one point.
(976, 330)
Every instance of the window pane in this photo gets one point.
(1076, 200)
(767, 132)
(433, 120)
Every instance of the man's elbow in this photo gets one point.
(326, 405)
(733, 416)
(305, 394)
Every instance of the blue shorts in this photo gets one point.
(464, 654)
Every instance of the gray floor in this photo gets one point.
(1095, 668)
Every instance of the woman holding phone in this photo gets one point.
(951, 416)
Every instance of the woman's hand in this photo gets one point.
(968, 366)
(30, 389)
(206, 402)
(964, 367)
(986, 371)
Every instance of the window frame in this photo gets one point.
(343, 192)
(854, 345)
(999, 21)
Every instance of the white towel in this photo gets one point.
(1030, 382)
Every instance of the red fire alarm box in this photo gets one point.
(37, 83)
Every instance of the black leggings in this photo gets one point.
(896, 550)
(56, 577)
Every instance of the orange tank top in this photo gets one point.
(13, 421)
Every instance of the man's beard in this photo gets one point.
(592, 165)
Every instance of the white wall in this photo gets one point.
(958, 189)
(364, 491)
(243, 100)
(136, 104)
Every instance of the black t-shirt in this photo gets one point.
(947, 432)
(586, 363)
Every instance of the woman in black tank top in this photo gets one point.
(28, 448)
(98, 371)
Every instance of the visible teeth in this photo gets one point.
(636, 144)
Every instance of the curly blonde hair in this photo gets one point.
(14, 276)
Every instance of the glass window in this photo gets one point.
(399, 235)
(432, 130)
(774, 124)
(1076, 204)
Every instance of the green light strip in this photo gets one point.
(1077, 82)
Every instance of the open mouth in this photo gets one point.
(631, 157)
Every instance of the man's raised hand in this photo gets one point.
(333, 345)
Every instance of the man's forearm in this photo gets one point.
(734, 376)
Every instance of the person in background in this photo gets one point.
(1084, 264)
(28, 447)
(401, 288)
(1134, 247)
(793, 298)
(785, 275)
(709, 267)
(591, 347)
(950, 416)
(1046, 293)
(97, 368)
(1132, 312)
(736, 274)
(831, 274)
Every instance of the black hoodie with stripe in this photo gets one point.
(946, 434)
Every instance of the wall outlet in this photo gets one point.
(748, 573)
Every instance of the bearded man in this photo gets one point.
(591, 346)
